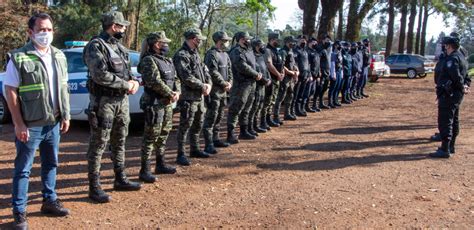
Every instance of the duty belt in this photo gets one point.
(97, 90)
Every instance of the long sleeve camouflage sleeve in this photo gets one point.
(185, 73)
(211, 62)
(151, 77)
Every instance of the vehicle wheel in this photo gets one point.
(374, 78)
(4, 112)
(411, 73)
(423, 75)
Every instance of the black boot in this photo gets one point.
(210, 149)
(258, 128)
(244, 134)
(363, 94)
(322, 105)
(220, 143)
(196, 153)
(264, 124)
(182, 160)
(271, 122)
(353, 96)
(330, 102)
(452, 150)
(161, 167)
(443, 151)
(251, 130)
(288, 116)
(54, 208)
(122, 183)
(308, 108)
(95, 190)
(145, 173)
(20, 222)
(436, 137)
(315, 105)
(299, 110)
(277, 120)
(231, 138)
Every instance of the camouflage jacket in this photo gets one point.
(220, 70)
(243, 64)
(192, 73)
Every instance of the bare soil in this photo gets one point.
(363, 165)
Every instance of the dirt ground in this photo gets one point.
(359, 166)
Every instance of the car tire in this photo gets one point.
(5, 115)
(411, 73)
(374, 78)
(423, 75)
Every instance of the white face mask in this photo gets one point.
(43, 39)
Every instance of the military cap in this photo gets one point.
(160, 36)
(289, 39)
(242, 34)
(256, 42)
(220, 35)
(114, 17)
(450, 40)
(192, 33)
(354, 44)
(299, 37)
(312, 39)
(366, 40)
(273, 35)
(455, 34)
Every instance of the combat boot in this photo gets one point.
(258, 128)
(321, 104)
(452, 150)
(231, 138)
(182, 160)
(264, 123)
(436, 137)
(220, 143)
(251, 130)
(276, 119)
(145, 173)
(443, 151)
(363, 94)
(272, 121)
(315, 105)
(298, 111)
(288, 116)
(244, 134)
(308, 108)
(353, 96)
(210, 149)
(95, 190)
(161, 167)
(20, 222)
(122, 183)
(330, 103)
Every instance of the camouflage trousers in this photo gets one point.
(285, 95)
(108, 118)
(214, 115)
(271, 93)
(258, 102)
(158, 124)
(241, 98)
(190, 122)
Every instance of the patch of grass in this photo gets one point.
(471, 72)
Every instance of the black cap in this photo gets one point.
(242, 34)
(273, 35)
(289, 39)
(299, 37)
(256, 41)
(220, 35)
(366, 40)
(455, 34)
(312, 39)
(450, 40)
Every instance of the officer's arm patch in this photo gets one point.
(449, 64)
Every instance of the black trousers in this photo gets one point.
(448, 117)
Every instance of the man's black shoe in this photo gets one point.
(323, 106)
(439, 154)
(126, 185)
(54, 208)
(220, 144)
(210, 149)
(146, 176)
(182, 160)
(165, 169)
(198, 154)
(97, 194)
(436, 137)
(260, 129)
(20, 221)
(364, 95)
(288, 117)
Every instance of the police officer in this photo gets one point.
(314, 62)
(37, 94)
(218, 63)
(324, 49)
(336, 72)
(195, 83)
(109, 82)
(275, 66)
(347, 72)
(356, 69)
(302, 60)
(365, 68)
(259, 50)
(286, 90)
(162, 88)
(450, 90)
(243, 92)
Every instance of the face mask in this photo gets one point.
(226, 45)
(164, 50)
(339, 48)
(327, 45)
(443, 48)
(303, 44)
(43, 39)
(275, 44)
(119, 35)
(247, 43)
(261, 50)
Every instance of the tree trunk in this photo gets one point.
(355, 17)
(403, 27)
(309, 7)
(418, 30)
(137, 25)
(423, 30)
(411, 26)
(391, 22)
(329, 10)
(130, 15)
(340, 23)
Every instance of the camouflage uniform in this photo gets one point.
(272, 55)
(193, 75)
(160, 83)
(285, 92)
(243, 90)
(109, 115)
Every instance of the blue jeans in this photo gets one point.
(46, 138)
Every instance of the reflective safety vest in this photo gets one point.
(34, 92)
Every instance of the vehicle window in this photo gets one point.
(391, 58)
(75, 63)
(134, 59)
(403, 59)
(378, 58)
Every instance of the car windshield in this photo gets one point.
(75, 63)
(379, 58)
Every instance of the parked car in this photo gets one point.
(79, 95)
(412, 65)
(377, 67)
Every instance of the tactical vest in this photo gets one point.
(302, 58)
(338, 60)
(261, 67)
(277, 61)
(365, 57)
(222, 62)
(167, 74)
(290, 62)
(347, 64)
(34, 91)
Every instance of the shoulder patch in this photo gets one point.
(449, 63)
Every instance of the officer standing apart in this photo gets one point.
(109, 82)
(277, 73)
(162, 88)
(195, 83)
(450, 90)
(37, 95)
(243, 91)
(218, 62)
